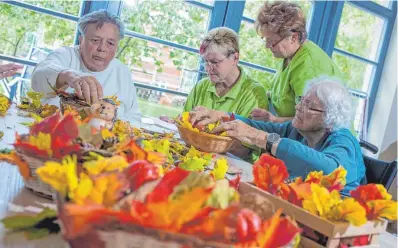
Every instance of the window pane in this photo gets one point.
(158, 65)
(357, 74)
(208, 2)
(156, 103)
(384, 3)
(71, 7)
(360, 32)
(34, 34)
(261, 77)
(253, 6)
(252, 47)
(170, 20)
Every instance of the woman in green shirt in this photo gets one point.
(282, 26)
(228, 87)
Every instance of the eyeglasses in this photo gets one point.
(273, 44)
(305, 105)
(214, 64)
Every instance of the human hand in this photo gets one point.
(262, 115)
(87, 87)
(201, 116)
(8, 70)
(242, 132)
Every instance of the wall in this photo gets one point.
(383, 125)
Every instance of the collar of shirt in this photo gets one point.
(234, 91)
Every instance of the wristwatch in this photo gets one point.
(271, 139)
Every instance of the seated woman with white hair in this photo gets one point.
(90, 68)
(317, 139)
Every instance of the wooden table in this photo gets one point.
(15, 199)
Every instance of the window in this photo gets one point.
(34, 32)
(37, 28)
(252, 48)
(360, 35)
(358, 53)
(161, 49)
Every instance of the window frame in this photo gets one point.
(325, 18)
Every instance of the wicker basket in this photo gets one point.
(75, 105)
(129, 235)
(35, 184)
(206, 142)
(34, 162)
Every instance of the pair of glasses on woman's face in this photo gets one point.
(306, 105)
(214, 64)
(272, 44)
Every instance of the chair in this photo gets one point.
(380, 172)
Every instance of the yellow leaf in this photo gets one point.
(382, 208)
(95, 167)
(348, 210)
(322, 201)
(42, 141)
(53, 173)
(83, 189)
(220, 168)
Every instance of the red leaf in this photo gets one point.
(65, 131)
(47, 125)
(235, 182)
(167, 184)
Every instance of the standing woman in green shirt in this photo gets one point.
(282, 26)
(228, 87)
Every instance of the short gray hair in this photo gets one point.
(336, 99)
(100, 17)
(221, 39)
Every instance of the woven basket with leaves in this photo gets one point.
(129, 235)
(73, 102)
(206, 142)
(34, 162)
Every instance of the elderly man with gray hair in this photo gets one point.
(90, 69)
(317, 139)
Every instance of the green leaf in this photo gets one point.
(222, 195)
(27, 221)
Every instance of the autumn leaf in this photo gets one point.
(381, 208)
(369, 192)
(5, 104)
(223, 195)
(269, 173)
(220, 168)
(335, 180)
(13, 158)
(166, 185)
(348, 210)
(321, 201)
(101, 164)
(277, 231)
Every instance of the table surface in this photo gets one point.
(15, 199)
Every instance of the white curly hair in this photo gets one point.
(336, 99)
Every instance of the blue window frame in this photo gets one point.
(323, 27)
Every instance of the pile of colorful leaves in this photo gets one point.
(184, 121)
(5, 104)
(184, 202)
(32, 103)
(319, 194)
(57, 136)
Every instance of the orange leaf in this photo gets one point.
(12, 158)
(348, 210)
(369, 192)
(269, 173)
(335, 180)
(381, 208)
(173, 214)
(277, 231)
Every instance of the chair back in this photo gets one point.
(380, 172)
